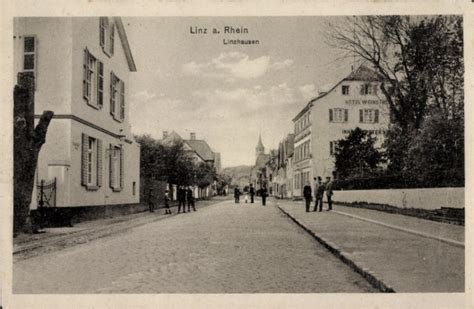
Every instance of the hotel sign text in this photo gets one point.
(365, 102)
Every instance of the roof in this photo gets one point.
(172, 138)
(201, 148)
(125, 45)
(363, 73)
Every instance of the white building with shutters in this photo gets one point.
(356, 101)
(82, 68)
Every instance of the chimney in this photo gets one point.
(165, 134)
(193, 136)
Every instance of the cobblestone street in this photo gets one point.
(222, 248)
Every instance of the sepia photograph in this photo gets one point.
(238, 155)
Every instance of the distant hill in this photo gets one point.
(240, 174)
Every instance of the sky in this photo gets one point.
(228, 94)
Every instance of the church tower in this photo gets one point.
(259, 150)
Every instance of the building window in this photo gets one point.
(93, 80)
(338, 115)
(369, 115)
(332, 148)
(345, 90)
(116, 168)
(117, 97)
(367, 89)
(107, 35)
(91, 162)
(30, 55)
(134, 188)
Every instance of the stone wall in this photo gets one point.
(429, 198)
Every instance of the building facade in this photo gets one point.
(82, 68)
(356, 101)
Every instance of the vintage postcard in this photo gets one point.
(189, 154)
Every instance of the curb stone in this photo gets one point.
(370, 276)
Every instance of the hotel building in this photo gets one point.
(355, 101)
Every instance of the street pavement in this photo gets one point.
(222, 248)
(405, 253)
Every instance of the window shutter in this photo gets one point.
(122, 100)
(112, 38)
(361, 115)
(85, 91)
(100, 84)
(346, 115)
(111, 167)
(376, 116)
(99, 163)
(112, 94)
(102, 31)
(84, 161)
(330, 115)
(121, 168)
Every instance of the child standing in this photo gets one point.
(167, 203)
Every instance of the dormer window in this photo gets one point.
(107, 36)
(345, 90)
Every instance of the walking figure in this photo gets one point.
(307, 195)
(166, 198)
(181, 195)
(329, 192)
(263, 192)
(237, 194)
(319, 193)
(252, 193)
(151, 205)
(190, 198)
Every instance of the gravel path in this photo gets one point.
(223, 248)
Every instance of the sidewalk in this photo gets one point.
(57, 238)
(396, 253)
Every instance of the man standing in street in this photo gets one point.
(151, 205)
(181, 195)
(252, 193)
(307, 195)
(190, 199)
(319, 193)
(264, 195)
(329, 192)
(237, 194)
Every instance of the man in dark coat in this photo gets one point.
(190, 199)
(307, 195)
(329, 192)
(319, 192)
(237, 194)
(151, 205)
(181, 195)
(264, 194)
(252, 193)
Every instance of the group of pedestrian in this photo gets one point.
(184, 195)
(249, 192)
(319, 189)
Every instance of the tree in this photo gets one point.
(356, 155)
(223, 180)
(436, 154)
(170, 163)
(27, 144)
(205, 174)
